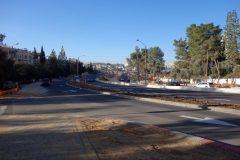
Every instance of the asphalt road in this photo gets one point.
(63, 99)
(228, 98)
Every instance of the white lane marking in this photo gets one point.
(209, 120)
(189, 117)
(222, 99)
(70, 91)
(2, 109)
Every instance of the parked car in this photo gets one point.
(46, 82)
(128, 80)
(173, 84)
(121, 79)
(204, 85)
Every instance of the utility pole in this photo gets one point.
(77, 63)
(138, 67)
(145, 61)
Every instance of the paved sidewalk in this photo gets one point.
(27, 90)
(42, 136)
(33, 88)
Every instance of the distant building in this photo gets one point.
(169, 67)
(19, 54)
(23, 55)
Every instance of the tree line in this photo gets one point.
(149, 60)
(206, 52)
(209, 51)
(51, 67)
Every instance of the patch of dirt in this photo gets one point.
(116, 139)
(166, 98)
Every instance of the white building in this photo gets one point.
(20, 55)
(24, 55)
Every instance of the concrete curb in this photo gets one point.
(208, 141)
(204, 140)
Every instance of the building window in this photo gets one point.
(29, 57)
(25, 57)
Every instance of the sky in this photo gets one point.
(106, 30)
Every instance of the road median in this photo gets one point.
(176, 101)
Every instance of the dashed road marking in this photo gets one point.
(70, 91)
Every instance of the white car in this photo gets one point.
(204, 85)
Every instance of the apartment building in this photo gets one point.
(19, 54)
(24, 55)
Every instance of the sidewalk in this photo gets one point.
(26, 91)
(42, 136)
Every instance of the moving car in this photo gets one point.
(173, 84)
(46, 82)
(204, 85)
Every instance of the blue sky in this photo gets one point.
(106, 30)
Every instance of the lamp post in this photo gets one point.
(145, 60)
(77, 63)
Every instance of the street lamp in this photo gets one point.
(77, 63)
(145, 60)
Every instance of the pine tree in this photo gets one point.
(2, 36)
(204, 42)
(42, 56)
(53, 63)
(231, 40)
(35, 55)
(62, 55)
